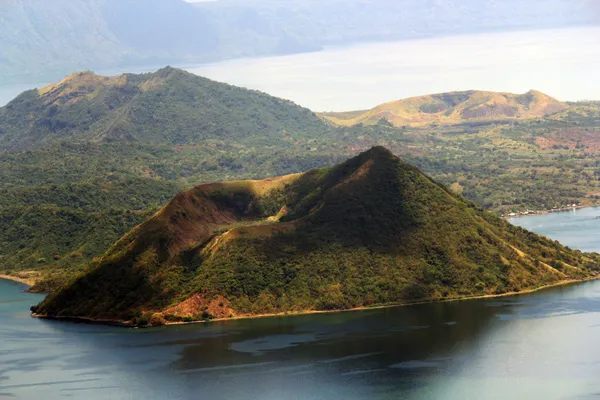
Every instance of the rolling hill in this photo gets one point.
(372, 230)
(169, 107)
(454, 108)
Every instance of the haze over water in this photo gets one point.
(560, 62)
(538, 346)
(563, 63)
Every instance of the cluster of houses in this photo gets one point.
(554, 209)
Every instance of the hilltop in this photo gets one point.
(454, 108)
(372, 230)
(168, 107)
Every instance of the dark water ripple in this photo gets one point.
(542, 345)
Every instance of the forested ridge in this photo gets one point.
(373, 230)
(87, 159)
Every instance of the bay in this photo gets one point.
(541, 345)
(578, 228)
(560, 62)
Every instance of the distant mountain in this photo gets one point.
(42, 40)
(335, 22)
(52, 38)
(168, 107)
(454, 108)
(372, 230)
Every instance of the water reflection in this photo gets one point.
(541, 345)
(470, 349)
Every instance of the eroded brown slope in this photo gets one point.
(453, 108)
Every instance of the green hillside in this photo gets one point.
(169, 107)
(127, 159)
(88, 158)
(372, 230)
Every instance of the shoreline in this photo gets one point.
(129, 324)
(29, 282)
(551, 211)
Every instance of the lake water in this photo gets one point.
(578, 229)
(560, 62)
(538, 346)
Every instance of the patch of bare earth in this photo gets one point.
(571, 137)
(200, 307)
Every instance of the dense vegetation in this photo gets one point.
(372, 230)
(111, 181)
(169, 107)
(113, 150)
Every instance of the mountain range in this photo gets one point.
(43, 40)
(373, 230)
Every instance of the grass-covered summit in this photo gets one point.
(372, 230)
(454, 108)
(167, 107)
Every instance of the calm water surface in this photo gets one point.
(578, 229)
(541, 346)
(561, 62)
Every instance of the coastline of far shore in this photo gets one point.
(532, 213)
(29, 281)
